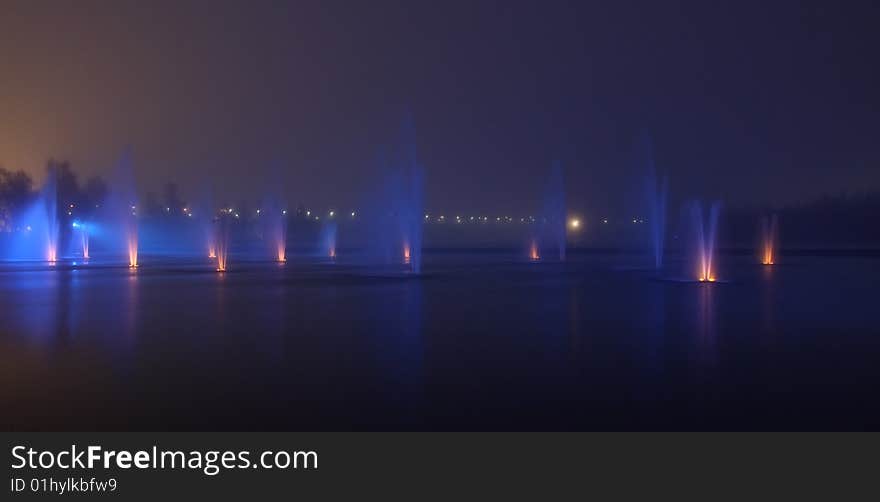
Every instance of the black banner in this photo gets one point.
(412, 466)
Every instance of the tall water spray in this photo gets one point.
(769, 239)
(704, 236)
(221, 241)
(49, 198)
(392, 217)
(121, 209)
(328, 240)
(554, 214)
(84, 241)
(411, 200)
(656, 191)
(274, 217)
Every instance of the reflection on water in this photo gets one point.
(706, 329)
(476, 343)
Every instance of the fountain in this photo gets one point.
(769, 239)
(554, 214)
(533, 251)
(393, 219)
(328, 240)
(121, 211)
(410, 209)
(49, 196)
(275, 229)
(221, 241)
(83, 230)
(131, 233)
(656, 193)
(37, 225)
(704, 240)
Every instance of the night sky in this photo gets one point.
(755, 103)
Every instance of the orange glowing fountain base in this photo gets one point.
(706, 274)
(533, 252)
(767, 257)
(406, 254)
(132, 255)
(332, 253)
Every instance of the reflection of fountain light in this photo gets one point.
(533, 252)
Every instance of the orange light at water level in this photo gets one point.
(533, 252)
(768, 254)
(132, 253)
(406, 254)
(332, 253)
(282, 254)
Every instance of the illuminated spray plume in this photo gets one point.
(274, 220)
(394, 216)
(769, 239)
(656, 191)
(328, 239)
(221, 233)
(84, 240)
(132, 242)
(554, 215)
(533, 251)
(705, 236)
(121, 210)
(50, 200)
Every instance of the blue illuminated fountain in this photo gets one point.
(549, 230)
(656, 194)
(328, 240)
(49, 196)
(411, 200)
(274, 218)
(38, 229)
(120, 210)
(554, 214)
(394, 218)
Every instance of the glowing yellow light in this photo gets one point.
(574, 223)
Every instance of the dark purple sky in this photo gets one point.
(751, 102)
